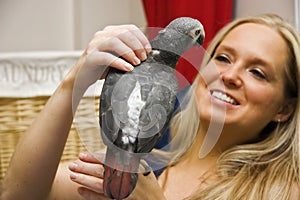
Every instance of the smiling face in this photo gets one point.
(250, 61)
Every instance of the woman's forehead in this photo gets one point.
(257, 33)
(257, 40)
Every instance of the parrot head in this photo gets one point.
(179, 35)
(188, 27)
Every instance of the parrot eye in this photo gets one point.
(197, 32)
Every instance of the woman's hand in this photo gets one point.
(105, 49)
(88, 172)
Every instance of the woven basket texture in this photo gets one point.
(16, 115)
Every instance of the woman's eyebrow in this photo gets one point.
(224, 47)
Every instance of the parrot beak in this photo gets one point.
(200, 39)
(198, 36)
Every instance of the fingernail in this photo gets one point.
(73, 176)
(73, 166)
(136, 61)
(148, 48)
(143, 56)
(129, 67)
(82, 155)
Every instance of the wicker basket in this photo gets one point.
(17, 113)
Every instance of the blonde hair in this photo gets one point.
(266, 169)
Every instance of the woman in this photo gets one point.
(253, 99)
(257, 154)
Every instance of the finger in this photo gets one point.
(145, 168)
(133, 42)
(108, 59)
(96, 157)
(90, 157)
(132, 36)
(136, 31)
(123, 41)
(93, 183)
(122, 47)
(143, 39)
(90, 194)
(90, 169)
(106, 47)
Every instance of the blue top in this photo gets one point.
(165, 139)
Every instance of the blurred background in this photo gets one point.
(42, 25)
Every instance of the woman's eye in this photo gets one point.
(258, 73)
(222, 58)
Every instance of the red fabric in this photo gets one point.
(213, 14)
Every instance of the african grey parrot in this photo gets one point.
(136, 106)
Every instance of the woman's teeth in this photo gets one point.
(223, 97)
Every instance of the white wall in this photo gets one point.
(284, 8)
(32, 25)
(96, 14)
(35, 25)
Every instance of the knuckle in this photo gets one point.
(80, 167)
(98, 186)
(109, 27)
(90, 48)
(132, 27)
(99, 172)
(97, 33)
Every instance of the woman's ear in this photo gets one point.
(285, 110)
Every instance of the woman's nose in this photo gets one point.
(231, 77)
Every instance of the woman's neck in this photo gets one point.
(194, 153)
(191, 173)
